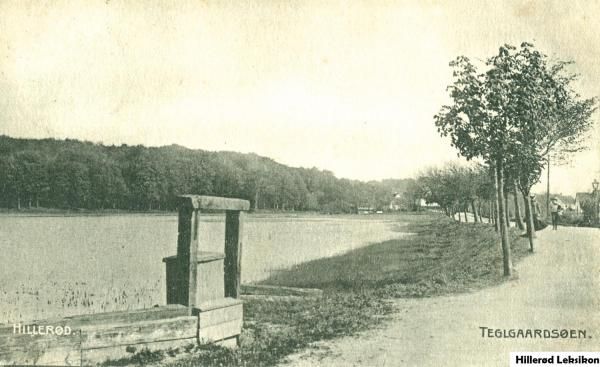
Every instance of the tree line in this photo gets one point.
(74, 174)
(513, 113)
(467, 191)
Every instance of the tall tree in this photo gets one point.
(478, 124)
(512, 116)
(551, 117)
(518, 217)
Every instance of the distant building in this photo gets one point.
(424, 204)
(396, 202)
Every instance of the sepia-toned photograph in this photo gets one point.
(299, 183)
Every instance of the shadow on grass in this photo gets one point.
(441, 256)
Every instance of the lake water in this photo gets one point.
(58, 266)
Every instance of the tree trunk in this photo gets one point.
(496, 199)
(518, 218)
(485, 206)
(529, 221)
(507, 210)
(466, 218)
(507, 263)
(474, 208)
(18, 202)
(548, 189)
(527, 213)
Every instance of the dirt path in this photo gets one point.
(558, 287)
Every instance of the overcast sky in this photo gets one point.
(347, 86)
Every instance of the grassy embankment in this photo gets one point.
(441, 257)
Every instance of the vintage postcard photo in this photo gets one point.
(299, 183)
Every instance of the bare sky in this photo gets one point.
(347, 86)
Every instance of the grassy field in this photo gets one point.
(441, 257)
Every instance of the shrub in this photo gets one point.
(570, 218)
(590, 212)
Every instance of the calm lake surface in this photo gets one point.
(64, 265)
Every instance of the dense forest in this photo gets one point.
(72, 174)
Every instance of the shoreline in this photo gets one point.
(47, 212)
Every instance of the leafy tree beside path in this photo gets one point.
(510, 116)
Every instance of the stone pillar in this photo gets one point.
(187, 252)
(233, 252)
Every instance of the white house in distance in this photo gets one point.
(396, 202)
(424, 204)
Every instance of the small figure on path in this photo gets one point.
(554, 210)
